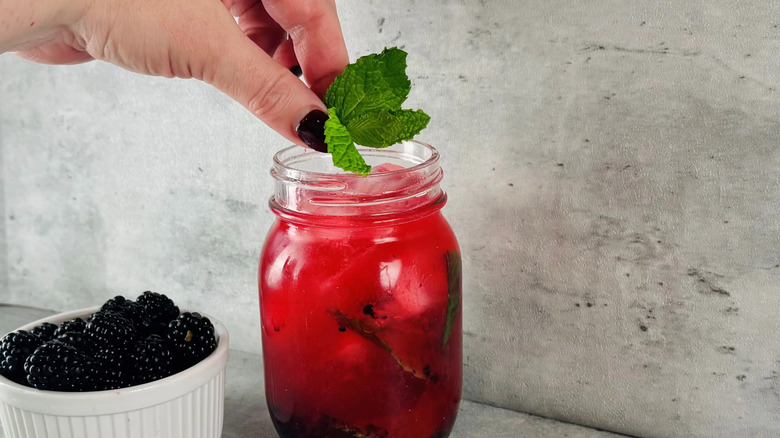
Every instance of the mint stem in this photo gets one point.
(356, 326)
(454, 292)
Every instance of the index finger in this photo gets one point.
(313, 26)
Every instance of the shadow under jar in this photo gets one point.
(360, 298)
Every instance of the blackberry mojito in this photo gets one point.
(360, 297)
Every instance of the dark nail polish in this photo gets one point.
(312, 130)
(296, 70)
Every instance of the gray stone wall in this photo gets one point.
(3, 246)
(613, 177)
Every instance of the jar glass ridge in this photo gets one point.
(308, 185)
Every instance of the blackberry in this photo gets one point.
(136, 312)
(57, 366)
(45, 331)
(116, 368)
(15, 347)
(114, 304)
(74, 325)
(147, 327)
(152, 360)
(109, 328)
(158, 307)
(192, 338)
(78, 340)
(127, 308)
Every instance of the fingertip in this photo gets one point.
(311, 130)
(315, 32)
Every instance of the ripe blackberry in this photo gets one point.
(110, 329)
(127, 308)
(57, 366)
(152, 360)
(45, 331)
(192, 337)
(114, 304)
(15, 347)
(74, 325)
(147, 327)
(78, 340)
(116, 368)
(158, 307)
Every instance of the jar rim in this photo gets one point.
(284, 169)
(303, 190)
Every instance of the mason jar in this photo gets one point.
(360, 298)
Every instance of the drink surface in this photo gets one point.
(356, 338)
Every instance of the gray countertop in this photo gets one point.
(246, 414)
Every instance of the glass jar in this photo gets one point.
(360, 298)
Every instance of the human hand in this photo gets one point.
(248, 60)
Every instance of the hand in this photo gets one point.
(248, 60)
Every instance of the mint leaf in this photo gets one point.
(373, 82)
(368, 333)
(412, 122)
(341, 146)
(454, 291)
(377, 129)
(364, 105)
(380, 129)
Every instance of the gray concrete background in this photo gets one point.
(613, 176)
(3, 240)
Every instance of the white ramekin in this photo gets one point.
(189, 404)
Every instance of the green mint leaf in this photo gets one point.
(373, 82)
(454, 291)
(364, 105)
(341, 146)
(369, 334)
(377, 129)
(412, 122)
(380, 129)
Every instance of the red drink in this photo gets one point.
(360, 305)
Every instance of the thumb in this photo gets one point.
(245, 72)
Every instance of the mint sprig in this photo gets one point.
(454, 292)
(341, 146)
(364, 105)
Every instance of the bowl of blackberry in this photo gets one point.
(128, 368)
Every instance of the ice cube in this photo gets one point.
(381, 182)
(386, 167)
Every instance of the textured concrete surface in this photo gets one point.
(613, 177)
(246, 413)
(3, 240)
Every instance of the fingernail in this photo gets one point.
(296, 70)
(312, 130)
